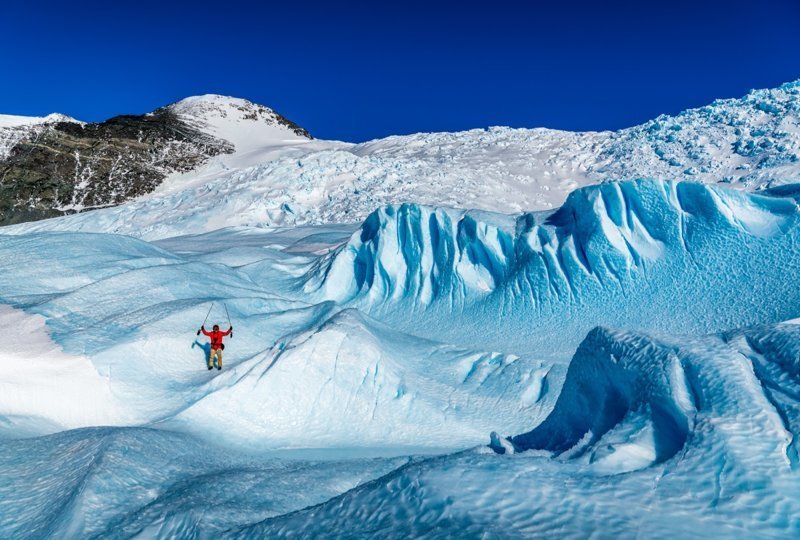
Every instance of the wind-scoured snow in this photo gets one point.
(617, 254)
(11, 121)
(311, 307)
(296, 374)
(704, 427)
(127, 482)
(243, 123)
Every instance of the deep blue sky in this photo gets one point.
(355, 71)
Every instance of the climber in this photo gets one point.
(215, 356)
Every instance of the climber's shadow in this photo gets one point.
(206, 349)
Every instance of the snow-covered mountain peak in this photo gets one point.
(207, 106)
(58, 117)
(13, 121)
(245, 124)
(15, 128)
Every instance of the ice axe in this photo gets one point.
(229, 318)
(206, 319)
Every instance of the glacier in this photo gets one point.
(293, 360)
(616, 254)
(649, 438)
(277, 178)
(126, 482)
(620, 362)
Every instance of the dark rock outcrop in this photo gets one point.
(66, 167)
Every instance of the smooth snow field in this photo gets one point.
(625, 364)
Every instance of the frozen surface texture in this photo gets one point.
(617, 254)
(424, 329)
(128, 482)
(623, 364)
(296, 374)
(649, 438)
(277, 177)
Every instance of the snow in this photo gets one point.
(626, 345)
(278, 178)
(246, 125)
(127, 482)
(296, 375)
(256, 133)
(706, 452)
(16, 128)
(11, 121)
(45, 389)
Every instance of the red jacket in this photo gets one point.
(216, 337)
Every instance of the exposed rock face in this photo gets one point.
(66, 167)
(55, 165)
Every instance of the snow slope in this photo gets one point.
(257, 134)
(14, 128)
(43, 388)
(297, 374)
(12, 121)
(126, 482)
(278, 178)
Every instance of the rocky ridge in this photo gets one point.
(55, 165)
